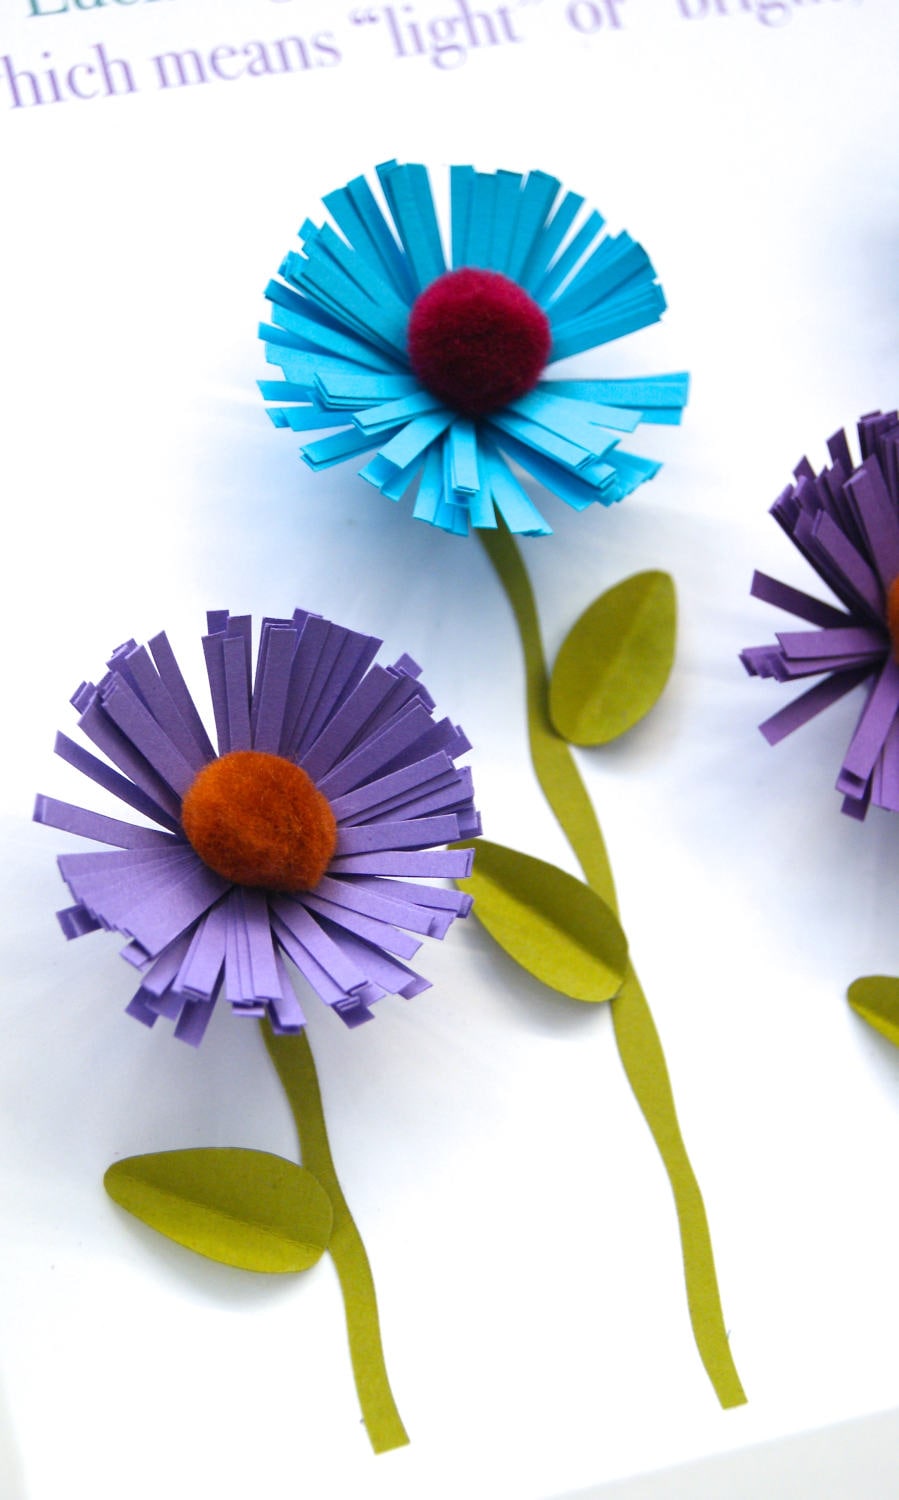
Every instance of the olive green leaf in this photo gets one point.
(876, 999)
(615, 660)
(553, 925)
(244, 1208)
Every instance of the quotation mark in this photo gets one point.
(364, 15)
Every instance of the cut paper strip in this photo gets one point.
(342, 307)
(387, 793)
(586, 422)
(341, 388)
(367, 737)
(831, 548)
(876, 999)
(554, 926)
(876, 509)
(594, 485)
(615, 661)
(244, 1208)
(353, 985)
(638, 1042)
(553, 444)
(201, 969)
(810, 703)
(91, 825)
(442, 864)
(365, 898)
(514, 505)
(371, 929)
(388, 415)
(658, 398)
(376, 757)
(96, 724)
(410, 833)
(104, 775)
(869, 738)
(136, 666)
(845, 521)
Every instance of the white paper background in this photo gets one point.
(519, 1224)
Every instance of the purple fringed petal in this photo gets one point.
(870, 735)
(355, 896)
(845, 521)
(393, 977)
(285, 1011)
(429, 864)
(877, 514)
(382, 934)
(75, 921)
(810, 703)
(388, 793)
(111, 781)
(886, 771)
(199, 975)
(379, 754)
(92, 825)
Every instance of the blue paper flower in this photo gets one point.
(438, 372)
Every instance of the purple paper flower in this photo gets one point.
(845, 520)
(323, 743)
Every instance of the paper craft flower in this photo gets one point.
(308, 835)
(439, 369)
(845, 521)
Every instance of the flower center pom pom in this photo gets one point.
(258, 820)
(477, 340)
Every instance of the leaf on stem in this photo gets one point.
(615, 660)
(876, 999)
(553, 925)
(244, 1208)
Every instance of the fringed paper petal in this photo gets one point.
(341, 314)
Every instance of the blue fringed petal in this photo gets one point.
(339, 319)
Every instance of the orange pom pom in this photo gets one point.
(259, 820)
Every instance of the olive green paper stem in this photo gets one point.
(553, 762)
(644, 1063)
(292, 1057)
(635, 1033)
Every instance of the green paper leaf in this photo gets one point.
(615, 660)
(244, 1208)
(553, 925)
(876, 999)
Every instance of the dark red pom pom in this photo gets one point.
(477, 340)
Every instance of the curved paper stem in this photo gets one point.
(292, 1057)
(644, 1063)
(638, 1041)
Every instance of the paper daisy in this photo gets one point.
(310, 834)
(436, 367)
(845, 521)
